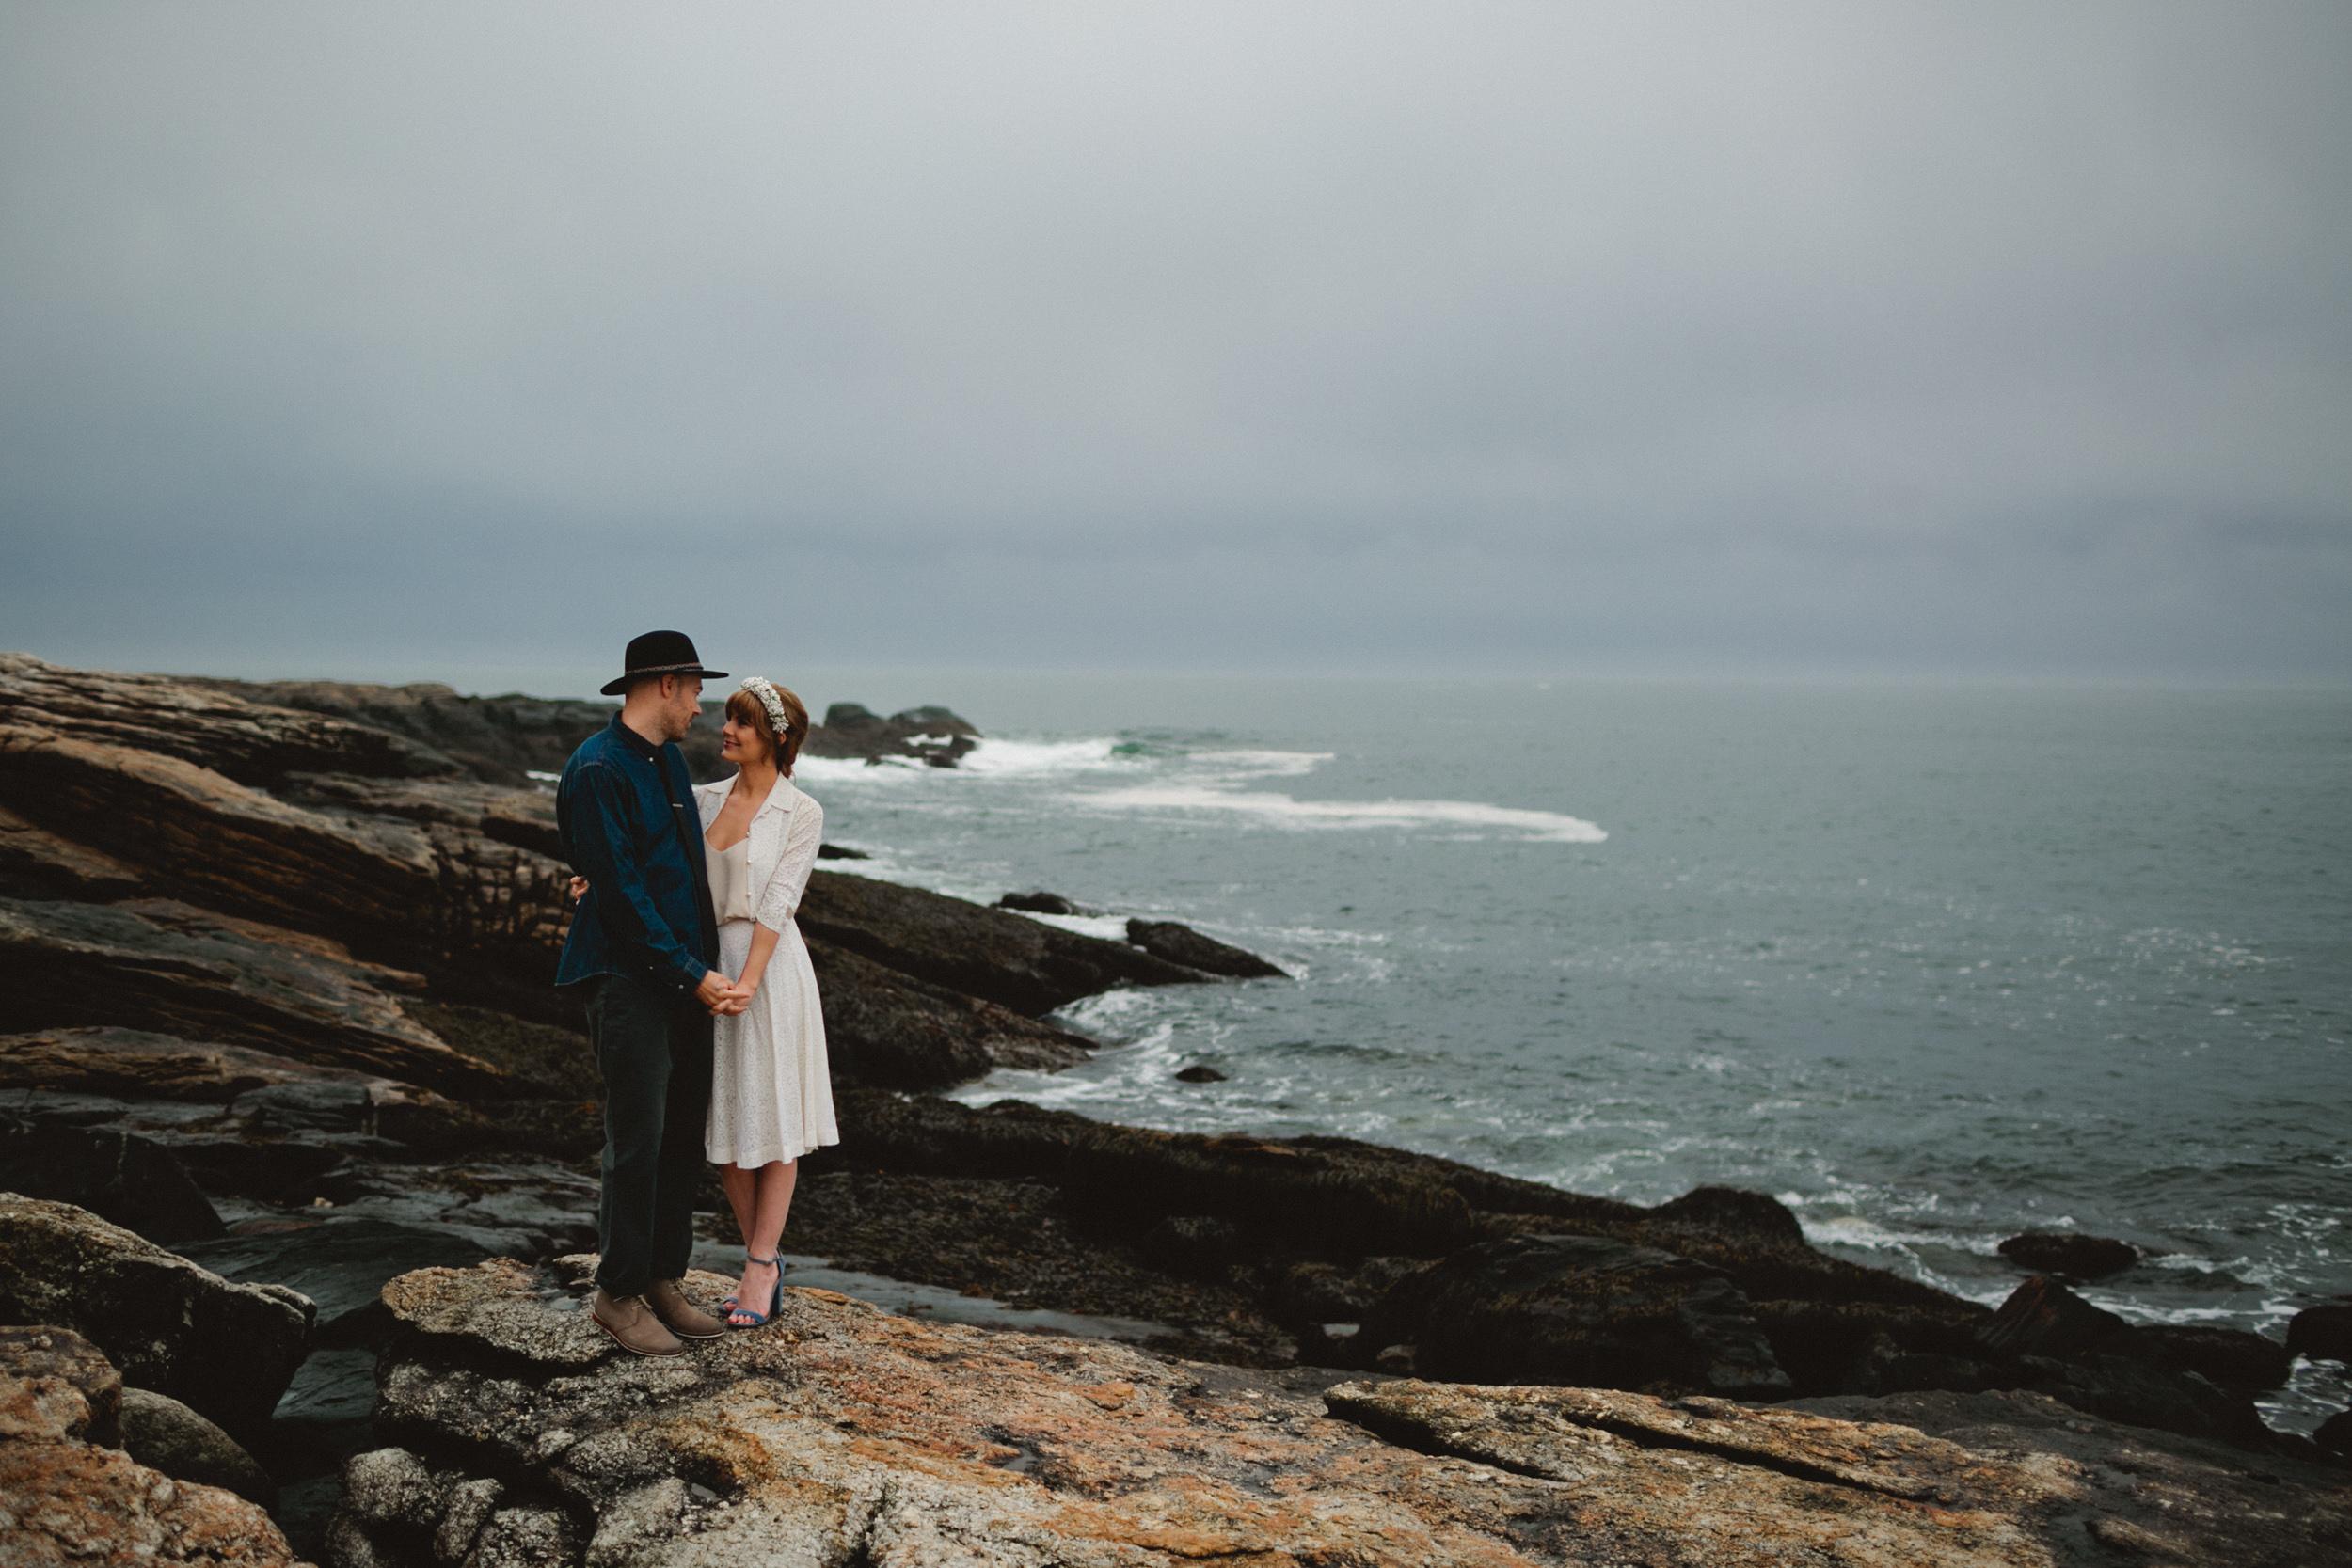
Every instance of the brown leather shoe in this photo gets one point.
(679, 1315)
(633, 1325)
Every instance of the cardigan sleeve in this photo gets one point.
(802, 835)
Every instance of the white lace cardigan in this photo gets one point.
(781, 847)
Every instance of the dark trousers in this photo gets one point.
(653, 1047)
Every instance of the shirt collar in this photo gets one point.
(634, 741)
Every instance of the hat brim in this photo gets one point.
(618, 687)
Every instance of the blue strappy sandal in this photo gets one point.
(775, 1303)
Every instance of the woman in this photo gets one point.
(771, 1094)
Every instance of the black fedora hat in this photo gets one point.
(659, 652)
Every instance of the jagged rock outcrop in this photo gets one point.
(840, 1436)
(173, 969)
(932, 735)
(225, 1350)
(1023, 965)
(890, 1029)
(68, 1492)
(1181, 944)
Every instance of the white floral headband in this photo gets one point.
(758, 687)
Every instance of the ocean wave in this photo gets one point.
(1280, 809)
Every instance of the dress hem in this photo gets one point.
(772, 1159)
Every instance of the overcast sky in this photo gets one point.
(1873, 338)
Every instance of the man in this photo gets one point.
(641, 949)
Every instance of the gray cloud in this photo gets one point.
(1984, 338)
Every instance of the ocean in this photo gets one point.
(1932, 965)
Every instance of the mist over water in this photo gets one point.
(1932, 966)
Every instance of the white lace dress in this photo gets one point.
(770, 1092)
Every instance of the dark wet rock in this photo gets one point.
(37, 863)
(522, 818)
(2055, 1341)
(1023, 965)
(224, 1350)
(1197, 1073)
(342, 1264)
(2044, 1318)
(174, 970)
(134, 1064)
(556, 1062)
(421, 891)
(205, 723)
(497, 739)
(60, 1383)
(1864, 1347)
(890, 1029)
(840, 852)
(1578, 1309)
(2324, 1331)
(163, 1435)
(932, 735)
(133, 1181)
(2334, 1434)
(2063, 1253)
(1181, 944)
(1018, 1242)
(1041, 902)
(2231, 1357)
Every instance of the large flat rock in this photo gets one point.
(841, 1436)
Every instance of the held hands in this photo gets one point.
(721, 995)
(578, 889)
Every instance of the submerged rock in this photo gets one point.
(1181, 944)
(227, 1351)
(2078, 1256)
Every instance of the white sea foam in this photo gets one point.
(1007, 759)
(1280, 809)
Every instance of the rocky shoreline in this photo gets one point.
(275, 1030)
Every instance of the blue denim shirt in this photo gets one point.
(627, 812)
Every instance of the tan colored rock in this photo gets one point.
(840, 1434)
(67, 1497)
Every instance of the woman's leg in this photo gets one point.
(738, 1183)
(769, 1189)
